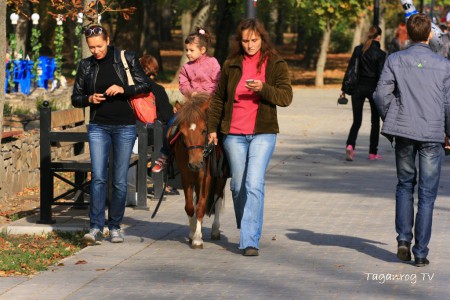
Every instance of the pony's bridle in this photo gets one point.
(207, 148)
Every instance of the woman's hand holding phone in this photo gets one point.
(254, 84)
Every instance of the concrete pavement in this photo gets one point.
(328, 232)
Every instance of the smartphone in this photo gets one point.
(249, 81)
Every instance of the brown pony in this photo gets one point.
(196, 167)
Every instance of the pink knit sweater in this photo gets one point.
(200, 75)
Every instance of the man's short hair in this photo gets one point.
(418, 27)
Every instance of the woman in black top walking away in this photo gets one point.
(371, 62)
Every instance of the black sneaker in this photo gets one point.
(403, 251)
(421, 261)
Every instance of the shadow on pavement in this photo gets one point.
(365, 246)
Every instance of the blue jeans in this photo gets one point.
(165, 147)
(249, 156)
(430, 157)
(101, 139)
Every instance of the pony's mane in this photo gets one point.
(191, 111)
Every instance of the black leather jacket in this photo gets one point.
(87, 75)
(370, 64)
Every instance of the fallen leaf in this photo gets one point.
(81, 262)
(274, 238)
(100, 269)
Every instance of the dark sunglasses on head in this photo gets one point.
(93, 31)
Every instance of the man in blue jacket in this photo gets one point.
(413, 99)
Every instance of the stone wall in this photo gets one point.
(19, 163)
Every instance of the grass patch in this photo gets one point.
(27, 255)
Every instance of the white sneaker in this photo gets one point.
(94, 236)
(116, 236)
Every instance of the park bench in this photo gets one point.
(68, 128)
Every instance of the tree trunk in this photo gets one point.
(21, 35)
(84, 47)
(166, 23)
(153, 38)
(383, 30)
(323, 55)
(279, 27)
(312, 44)
(357, 35)
(2, 66)
(225, 24)
(301, 33)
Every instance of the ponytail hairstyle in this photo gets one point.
(374, 31)
(200, 36)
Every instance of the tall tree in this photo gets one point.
(328, 13)
(225, 25)
(2, 65)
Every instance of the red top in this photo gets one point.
(245, 105)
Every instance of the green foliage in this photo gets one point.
(77, 47)
(40, 104)
(321, 12)
(7, 109)
(22, 111)
(25, 254)
(12, 46)
(59, 42)
(341, 38)
(35, 49)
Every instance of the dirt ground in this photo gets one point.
(27, 201)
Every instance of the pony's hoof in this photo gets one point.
(215, 236)
(197, 246)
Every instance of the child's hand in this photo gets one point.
(255, 86)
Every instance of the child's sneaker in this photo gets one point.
(349, 153)
(160, 164)
(375, 156)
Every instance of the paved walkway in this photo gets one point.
(328, 232)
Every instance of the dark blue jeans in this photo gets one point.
(101, 139)
(430, 157)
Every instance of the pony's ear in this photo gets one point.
(205, 105)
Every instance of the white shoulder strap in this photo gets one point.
(127, 70)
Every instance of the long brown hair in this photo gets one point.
(374, 31)
(401, 34)
(257, 27)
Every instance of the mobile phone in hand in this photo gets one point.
(248, 81)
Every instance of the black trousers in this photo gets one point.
(358, 99)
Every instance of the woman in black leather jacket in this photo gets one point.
(371, 62)
(101, 83)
